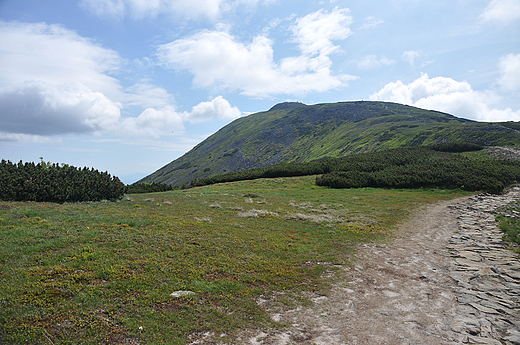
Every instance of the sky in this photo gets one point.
(127, 86)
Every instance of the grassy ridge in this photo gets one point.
(94, 273)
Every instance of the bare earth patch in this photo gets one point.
(407, 291)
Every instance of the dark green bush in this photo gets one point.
(55, 183)
(422, 168)
(456, 147)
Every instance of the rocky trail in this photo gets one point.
(446, 279)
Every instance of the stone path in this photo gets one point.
(487, 274)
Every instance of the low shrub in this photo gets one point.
(56, 183)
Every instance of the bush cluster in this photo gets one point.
(418, 167)
(456, 147)
(136, 188)
(422, 168)
(56, 183)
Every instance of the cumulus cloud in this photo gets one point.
(151, 8)
(55, 82)
(152, 122)
(372, 61)
(315, 32)
(218, 108)
(501, 11)
(217, 59)
(42, 109)
(447, 95)
(54, 54)
(510, 72)
(159, 121)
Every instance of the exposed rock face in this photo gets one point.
(504, 152)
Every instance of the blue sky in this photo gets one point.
(126, 86)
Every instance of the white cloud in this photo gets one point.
(148, 96)
(41, 109)
(152, 122)
(165, 120)
(27, 138)
(217, 108)
(410, 56)
(371, 23)
(510, 72)
(372, 61)
(316, 31)
(54, 82)
(151, 8)
(447, 95)
(217, 59)
(501, 11)
(53, 54)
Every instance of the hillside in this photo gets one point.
(295, 132)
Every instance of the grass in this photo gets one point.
(509, 223)
(102, 273)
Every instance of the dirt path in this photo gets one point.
(417, 288)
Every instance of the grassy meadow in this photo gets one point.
(103, 272)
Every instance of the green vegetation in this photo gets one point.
(292, 132)
(95, 273)
(509, 223)
(422, 168)
(136, 188)
(56, 183)
(419, 167)
(456, 147)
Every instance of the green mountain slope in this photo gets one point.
(295, 132)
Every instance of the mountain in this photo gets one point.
(295, 132)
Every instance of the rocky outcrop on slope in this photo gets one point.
(503, 152)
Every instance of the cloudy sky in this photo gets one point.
(126, 86)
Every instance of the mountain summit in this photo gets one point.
(295, 132)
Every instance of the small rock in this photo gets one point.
(483, 309)
(513, 337)
(483, 341)
(470, 255)
(177, 294)
(467, 298)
